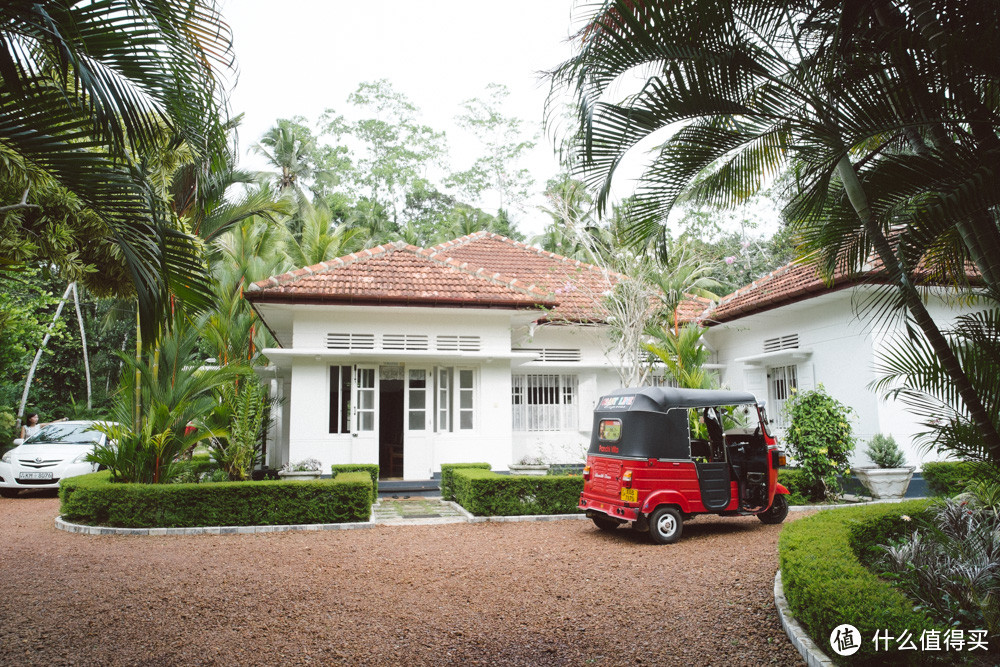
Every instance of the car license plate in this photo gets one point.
(630, 495)
(34, 475)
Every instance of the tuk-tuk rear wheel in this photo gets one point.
(777, 512)
(665, 525)
(605, 522)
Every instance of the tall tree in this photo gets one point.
(86, 90)
(890, 127)
(505, 142)
(395, 150)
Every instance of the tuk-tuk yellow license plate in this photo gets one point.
(630, 495)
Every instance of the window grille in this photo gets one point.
(781, 380)
(545, 402)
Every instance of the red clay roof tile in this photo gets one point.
(399, 274)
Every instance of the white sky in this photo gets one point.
(300, 57)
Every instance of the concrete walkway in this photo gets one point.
(416, 510)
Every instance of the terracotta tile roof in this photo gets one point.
(796, 282)
(691, 309)
(400, 274)
(576, 285)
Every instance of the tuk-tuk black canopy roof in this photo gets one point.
(661, 399)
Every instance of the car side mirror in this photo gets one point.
(18, 442)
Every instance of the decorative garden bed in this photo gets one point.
(826, 582)
(94, 499)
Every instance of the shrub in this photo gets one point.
(190, 471)
(884, 452)
(820, 438)
(447, 477)
(800, 490)
(485, 493)
(827, 585)
(370, 469)
(950, 565)
(948, 478)
(95, 499)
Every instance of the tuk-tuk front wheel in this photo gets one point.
(605, 522)
(777, 512)
(665, 525)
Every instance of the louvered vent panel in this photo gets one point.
(350, 341)
(553, 354)
(404, 342)
(789, 342)
(557, 354)
(458, 343)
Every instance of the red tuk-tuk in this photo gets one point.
(660, 455)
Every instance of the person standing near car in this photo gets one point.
(32, 426)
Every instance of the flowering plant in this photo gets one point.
(305, 465)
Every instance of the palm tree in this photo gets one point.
(321, 239)
(889, 126)
(87, 90)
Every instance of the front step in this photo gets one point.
(399, 487)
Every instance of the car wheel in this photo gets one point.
(605, 522)
(665, 525)
(777, 512)
(9, 493)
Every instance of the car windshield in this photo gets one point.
(66, 434)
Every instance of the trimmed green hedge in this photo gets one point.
(485, 493)
(826, 583)
(948, 478)
(447, 477)
(95, 499)
(370, 469)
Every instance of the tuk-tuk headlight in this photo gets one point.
(627, 479)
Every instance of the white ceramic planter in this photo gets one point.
(885, 482)
(295, 475)
(524, 469)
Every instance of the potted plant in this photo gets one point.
(304, 469)
(889, 478)
(530, 465)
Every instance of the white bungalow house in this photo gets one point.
(487, 349)
(480, 349)
(789, 330)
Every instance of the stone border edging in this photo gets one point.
(61, 524)
(803, 508)
(466, 517)
(807, 648)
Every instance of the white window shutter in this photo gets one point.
(755, 382)
(806, 378)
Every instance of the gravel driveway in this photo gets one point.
(496, 593)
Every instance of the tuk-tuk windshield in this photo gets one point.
(669, 434)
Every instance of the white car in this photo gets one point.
(54, 453)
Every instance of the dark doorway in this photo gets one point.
(390, 429)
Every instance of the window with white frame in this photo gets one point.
(455, 399)
(340, 399)
(781, 380)
(545, 402)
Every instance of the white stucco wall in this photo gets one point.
(843, 346)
